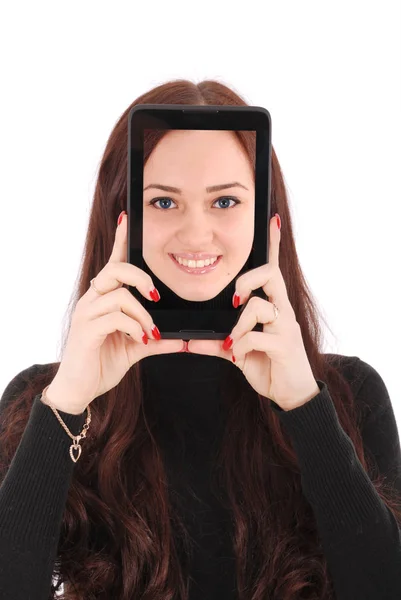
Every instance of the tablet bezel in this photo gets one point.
(197, 324)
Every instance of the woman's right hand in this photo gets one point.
(98, 352)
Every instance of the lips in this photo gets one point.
(196, 270)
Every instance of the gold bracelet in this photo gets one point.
(76, 438)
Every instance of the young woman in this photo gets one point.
(256, 468)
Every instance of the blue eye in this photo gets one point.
(164, 199)
(228, 198)
(153, 202)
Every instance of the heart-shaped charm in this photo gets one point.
(72, 448)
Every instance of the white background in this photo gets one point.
(330, 75)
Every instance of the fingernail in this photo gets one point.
(228, 342)
(233, 358)
(278, 220)
(236, 300)
(154, 294)
(156, 333)
(120, 218)
(145, 338)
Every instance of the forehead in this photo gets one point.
(200, 154)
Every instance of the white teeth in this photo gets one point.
(195, 263)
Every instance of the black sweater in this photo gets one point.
(359, 534)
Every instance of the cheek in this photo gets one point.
(238, 239)
(155, 236)
(231, 230)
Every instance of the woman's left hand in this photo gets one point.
(274, 360)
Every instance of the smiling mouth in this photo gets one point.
(189, 268)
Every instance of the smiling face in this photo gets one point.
(189, 212)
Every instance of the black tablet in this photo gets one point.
(199, 180)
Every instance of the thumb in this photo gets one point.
(137, 352)
(164, 347)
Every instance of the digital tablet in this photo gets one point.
(199, 181)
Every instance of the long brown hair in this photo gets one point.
(116, 538)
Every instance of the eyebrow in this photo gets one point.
(212, 188)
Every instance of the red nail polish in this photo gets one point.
(120, 218)
(233, 358)
(228, 342)
(156, 333)
(278, 220)
(236, 300)
(145, 338)
(154, 294)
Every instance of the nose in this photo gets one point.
(196, 231)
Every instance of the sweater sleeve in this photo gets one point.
(360, 535)
(33, 496)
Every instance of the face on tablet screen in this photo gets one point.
(185, 213)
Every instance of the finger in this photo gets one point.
(122, 299)
(257, 340)
(130, 274)
(256, 311)
(119, 252)
(274, 242)
(267, 276)
(119, 272)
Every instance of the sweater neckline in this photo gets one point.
(182, 369)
